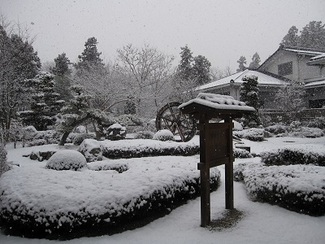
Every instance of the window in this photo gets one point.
(285, 69)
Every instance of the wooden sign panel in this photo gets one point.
(217, 144)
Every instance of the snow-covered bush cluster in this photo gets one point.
(92, 150)
(81, 202)
(96, 150)
(66, 160)
(79, 138)
(253, 134)
(115, 132)
(32, 137)
(287, 156)
(300, 188)
(3, 160)
(242, 153)
(144, 135)
(295, 129)
(163, 135)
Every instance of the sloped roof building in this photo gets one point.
(285, 65)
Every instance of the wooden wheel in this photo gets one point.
(181, 125)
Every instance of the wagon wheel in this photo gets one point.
(181, 125)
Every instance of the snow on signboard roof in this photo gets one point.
(303, 51)
(263, 79)
(220, 102)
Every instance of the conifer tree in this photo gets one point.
(184, 69)
(242, 62)
(291, 38)
(201, 70)
(255, 61)
(18, 61)
(249, 93)
(62, 77)
(44, 102)
(90, 59)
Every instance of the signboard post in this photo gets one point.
(216, 145)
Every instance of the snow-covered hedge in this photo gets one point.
(144, 135)
(300, 188)
(66, 160)
(94, 150)
(79, 138)
(287, 156)
(40, 202)
(253, 134)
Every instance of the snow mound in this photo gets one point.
(163, 135)
(66, 160)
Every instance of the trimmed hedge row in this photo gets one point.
(300, 188)
(288, 156)
(19, 216)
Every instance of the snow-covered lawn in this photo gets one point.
(261, 223)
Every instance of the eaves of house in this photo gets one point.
(264, 80)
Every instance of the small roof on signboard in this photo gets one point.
(217, 104)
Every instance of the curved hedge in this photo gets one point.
(300, 188)
(66, 204)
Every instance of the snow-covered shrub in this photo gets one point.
(3, 160)
(108, 165)
(242, 153)
(115, 132)
(287, 156)
(300, 188)
(144, 135)
(69, 204)
(96, 150)
(318, 122)
(163, 135)
(306, 132)
(79, 138)
(80, 129)
(253, 134)
(66, 160)
(277, 129)
(92, 150)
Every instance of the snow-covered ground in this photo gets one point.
(262, 222)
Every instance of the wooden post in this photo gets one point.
(204, 175)
(229, 172)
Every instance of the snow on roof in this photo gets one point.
(304, 51)
(321, 56)
(263, 79)
(218, 101)
(315, 84)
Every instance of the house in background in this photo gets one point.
(268, 86)
(304, 65)
(285, 65)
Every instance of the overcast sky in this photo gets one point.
(221, 30)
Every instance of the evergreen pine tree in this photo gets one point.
(62, 78)
(90, 59)
(249, 93)
(255, 61)
(313, 35)
(241, 61)
(44, 105)
(75, 112)
(18, 62)
(184, 69)
(201, 70)
(291, 38)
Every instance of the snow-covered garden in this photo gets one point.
(154, 197)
